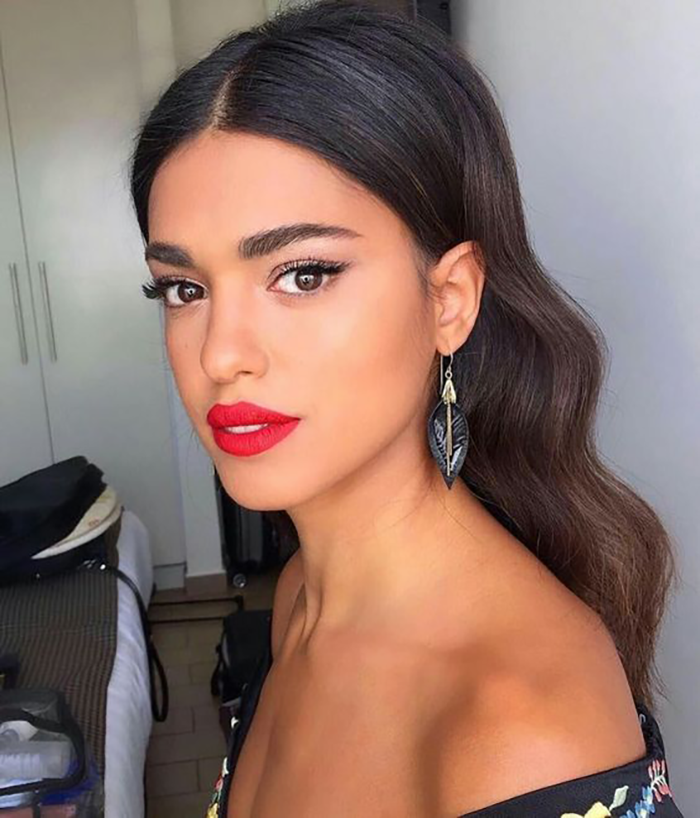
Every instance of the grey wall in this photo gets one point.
(602, 100)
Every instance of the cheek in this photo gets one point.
(177, 347)
(368, 364)
(183, 355)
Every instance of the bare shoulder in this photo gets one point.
(522, 725)
(288, 586)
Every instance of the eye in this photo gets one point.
(182, 288)
(308, 273)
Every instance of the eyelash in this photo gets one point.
(158, 287)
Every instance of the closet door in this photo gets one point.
(24, 430)
(73, 93)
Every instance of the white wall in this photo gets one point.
(602, 100)
(199, 24)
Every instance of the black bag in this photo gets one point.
(245, 636)
(94, 550)
(44, 759)
(42, 508)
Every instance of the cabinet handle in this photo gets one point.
(19, 316)
(47, 309)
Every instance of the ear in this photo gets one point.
(457, 283)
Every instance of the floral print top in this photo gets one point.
(638, 789)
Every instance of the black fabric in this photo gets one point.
(638, 788)
(43, 507)
(249, 703)
(245, 634)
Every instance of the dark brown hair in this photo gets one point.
(399, 107)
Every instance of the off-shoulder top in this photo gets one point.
(637, 789)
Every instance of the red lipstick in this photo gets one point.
(246, 442)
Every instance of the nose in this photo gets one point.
(231, 346)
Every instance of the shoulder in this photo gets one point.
(287, 589)
(517, 729)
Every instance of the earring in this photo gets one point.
(448, 431)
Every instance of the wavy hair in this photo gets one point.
(399, 107)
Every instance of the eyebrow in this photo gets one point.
(259, 244)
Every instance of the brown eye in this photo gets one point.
(167, 287)
(308, 276)
(186, 292)
(307, 280)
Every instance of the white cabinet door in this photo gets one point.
(24, 431)
(73, 92)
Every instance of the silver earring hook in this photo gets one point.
(449, 369)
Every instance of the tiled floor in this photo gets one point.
(185, 752)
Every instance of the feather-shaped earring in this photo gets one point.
(448, 432)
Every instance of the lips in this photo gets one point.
(246, 442)
(244, 414)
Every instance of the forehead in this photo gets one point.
(240, 183)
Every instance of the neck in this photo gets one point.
(385, 538)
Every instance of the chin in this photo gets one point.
(255, 493)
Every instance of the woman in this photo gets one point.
(335, 227)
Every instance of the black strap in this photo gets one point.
(154, 663)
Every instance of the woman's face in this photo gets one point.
(348, 354)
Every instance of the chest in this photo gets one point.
(337, 745)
